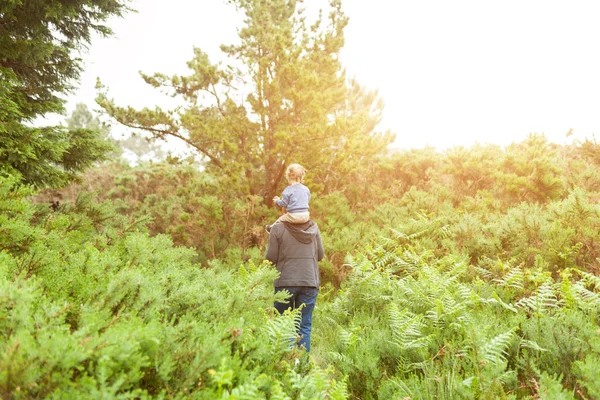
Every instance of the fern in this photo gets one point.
(384, 260)
(406, 334)
(591, 280)
(588, 300)
(545, 299)
(484, 273)
(467, 294)
(514, 279)
(409, 262)
(530, 344)
(243, 275)
(496, 299)
(401, 237)
(447, 310)
(567, 289)
(247, 391)
(348, 338)
(282, 329)
(406, 327)
(494, 351)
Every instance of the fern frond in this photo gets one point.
(507, 376)
(495, 350)
(496, 299)
(485, 273)
(402, 237)
(548, 296)
(410, 262)
(544, 299)
(530, 344)
(467, 294)
(447, 310)
(384, 260)
(406, 328)
(445, 232)
(282, 329)
(590, 280)
(567, 289)
(246, 391)
(587, 298)
(514, 279)
(348, 338)
(243, 274)
(341, 361)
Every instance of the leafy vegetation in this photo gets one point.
(297, 105)
(92, 306)
(408, 324)
(432, 293)
(39, 63)
(470, 273)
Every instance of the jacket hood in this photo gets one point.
(304, 233)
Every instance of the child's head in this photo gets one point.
(295, 173)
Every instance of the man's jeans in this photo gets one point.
(300, 295)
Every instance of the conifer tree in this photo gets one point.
(39, 63)
(284, 98)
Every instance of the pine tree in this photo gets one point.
(39, 62)
(287, 102)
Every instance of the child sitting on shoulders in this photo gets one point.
(294, 198)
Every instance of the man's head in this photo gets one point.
(295, 173)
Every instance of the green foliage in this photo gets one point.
(467, 295)
(16, 234)
(82, 118)
(483, 223)
(39, 45)
(470, 273)
(406, 323)
(91, 306)
(50, 156)
(551, 388)
(530, 171)
(473, 169)
(9, 109)
(186, 204)
(295, 105)
(587, 372)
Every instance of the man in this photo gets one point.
(295, 250)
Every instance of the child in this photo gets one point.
(294, 198)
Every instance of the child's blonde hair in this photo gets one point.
(295, 172)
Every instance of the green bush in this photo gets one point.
(408, 324)
(93, 307)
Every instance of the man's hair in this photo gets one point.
(295, 172)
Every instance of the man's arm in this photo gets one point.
(272, 249)
(320, 250)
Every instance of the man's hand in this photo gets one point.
(275, 198)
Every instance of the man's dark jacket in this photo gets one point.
(295, 249)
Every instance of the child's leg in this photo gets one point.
(294, 218)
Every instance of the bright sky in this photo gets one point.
(450, 72)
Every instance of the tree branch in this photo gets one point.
(178, 136)
(214, 93)
(281, 171)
